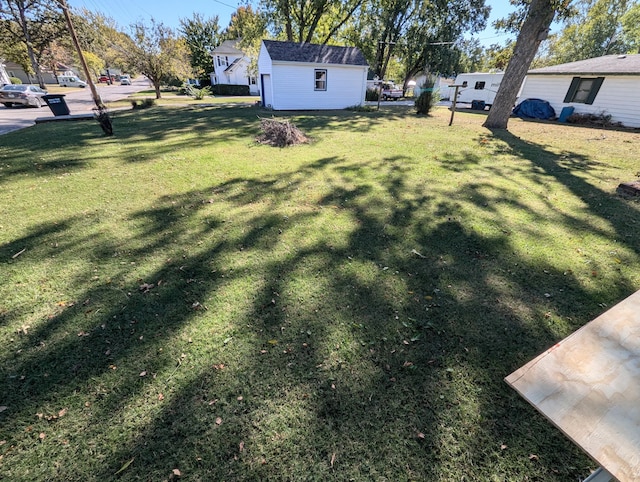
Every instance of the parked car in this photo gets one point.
(71, 81)
(391, 91)
(23, 94)
(125, 80)
(104, 78)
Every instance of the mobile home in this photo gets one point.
(478, 87)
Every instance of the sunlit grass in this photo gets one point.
(179, 297)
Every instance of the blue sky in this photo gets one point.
(169, 12)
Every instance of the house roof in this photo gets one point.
(609, 64)
(228, 47)
(314, 53)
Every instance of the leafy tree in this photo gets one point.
(299, 20)
(33, 23)
(631, 28)
(201, 36)
(157, 53)
(596, 30)
(247, 25)
(534, 30)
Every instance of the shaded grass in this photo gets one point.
(188, 299)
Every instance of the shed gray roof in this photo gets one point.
(609, 64)
(314, 53)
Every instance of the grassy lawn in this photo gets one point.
(180, 302)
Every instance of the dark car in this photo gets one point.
(21, 94)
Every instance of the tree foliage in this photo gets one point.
(316, 21)
(594, 31)
(201, 35)
(34, 24)
(157, 53)
(631, 28)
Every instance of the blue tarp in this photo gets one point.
(534, 109)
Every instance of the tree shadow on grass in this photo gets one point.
(365, 336)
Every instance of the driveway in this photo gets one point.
(78, 100)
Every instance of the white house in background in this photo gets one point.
(4, 76)
(303, 76)
(607, 85)
(231, 66)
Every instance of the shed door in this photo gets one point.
(267, 93)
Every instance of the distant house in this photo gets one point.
(231, 66)
(49, 76)
(607, 85)
(4, 76)
(302, 76)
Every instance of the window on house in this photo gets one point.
(11, 74)
(252, 81)
(583, 90)
(479, 86)
(222, 61)
(320, 79)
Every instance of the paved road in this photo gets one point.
(78, 100)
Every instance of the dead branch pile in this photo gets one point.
(280, 133)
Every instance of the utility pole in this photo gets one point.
(101, 110)
(385, 61)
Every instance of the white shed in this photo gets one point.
(303, 76)
(608, 85)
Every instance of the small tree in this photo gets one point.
(157, 53)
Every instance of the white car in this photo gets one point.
(22, 94)
(124, 80)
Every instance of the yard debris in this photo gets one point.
(280, 133)
(413, 251)
(18, 253)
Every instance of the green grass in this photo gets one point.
(178, 297)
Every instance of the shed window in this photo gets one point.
(583, 90)
(320, 79)
(479, 86)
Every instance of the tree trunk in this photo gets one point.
(27, 37)
(533, 31)
(156, 86)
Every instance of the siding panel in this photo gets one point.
(619, 96)
(293, 86)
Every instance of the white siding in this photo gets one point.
(619, 96)
(294, 86)
(264, 61)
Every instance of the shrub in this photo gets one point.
(230, 89)
(15, 80)
(195, 92)
(143, 104)
(372, 95)
(424, 102)
(593, 120)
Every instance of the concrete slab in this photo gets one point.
(71, 117)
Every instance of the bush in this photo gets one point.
(15, 80)
(372, 95)
(143, 104)
(230, 89)
(425, 102)
(195, 92)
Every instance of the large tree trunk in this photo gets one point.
(533, 31)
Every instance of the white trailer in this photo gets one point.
(478, 88)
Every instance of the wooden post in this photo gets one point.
(453, 105)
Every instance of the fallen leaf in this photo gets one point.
(42, 436)
(407, 364)
(239, 398)
(160, 396)
(227, 340)
(124, 467)
(421, 435)
(62, 412)
(145, 287)
(3, 408)
(241, 446)
(273, 342)
(143, 373)
(333, 458)
(533, 457)
(176, 472)
(218, 421)
(219, 366)
(503, 446)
